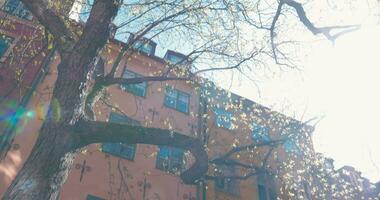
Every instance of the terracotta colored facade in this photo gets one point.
(185, 107)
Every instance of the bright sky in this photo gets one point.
(340, 82)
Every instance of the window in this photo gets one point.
(170, 159)
(122, 119)
(223, 118)
(15, 7)
(138, 89)
(175, 58)
(260, 133)
(262, 192)
(126, 151)
(266, 188)
(91, 197)
(144, 46)
(177, 100)
(5, 42)
(291, 147)
(230, 186)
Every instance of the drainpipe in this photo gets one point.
(7, 138)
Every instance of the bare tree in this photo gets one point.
(214, 32)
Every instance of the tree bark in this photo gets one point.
(46, 168)
(48, 165)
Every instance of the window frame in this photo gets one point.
(176, 99)
(139, 46)
(230, 186)
(182, 59)
(294, 148)
(20, 7)
(266, 184)
(11, 46)
(107, 146)
(170, 168)
(131, 88)
(217, 116)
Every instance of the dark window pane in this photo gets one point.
(183, 102)
(169, 159)
(176, 99)
(219, 183)
(170, 97)
(174, 59)
(138, 89)
(262, 193)
(122, 119)
(15, 7)
(126, 151)
(143, 47)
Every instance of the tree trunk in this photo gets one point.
(48, 165)
(46, 169)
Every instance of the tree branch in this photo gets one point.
(50, 20)
(272, 32)
(97, 29)
(89, 132)
(326, 31)
(248, 147)
(245, 177)
(232, 162)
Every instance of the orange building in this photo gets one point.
(224, 121)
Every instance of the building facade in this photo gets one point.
(222, 120)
